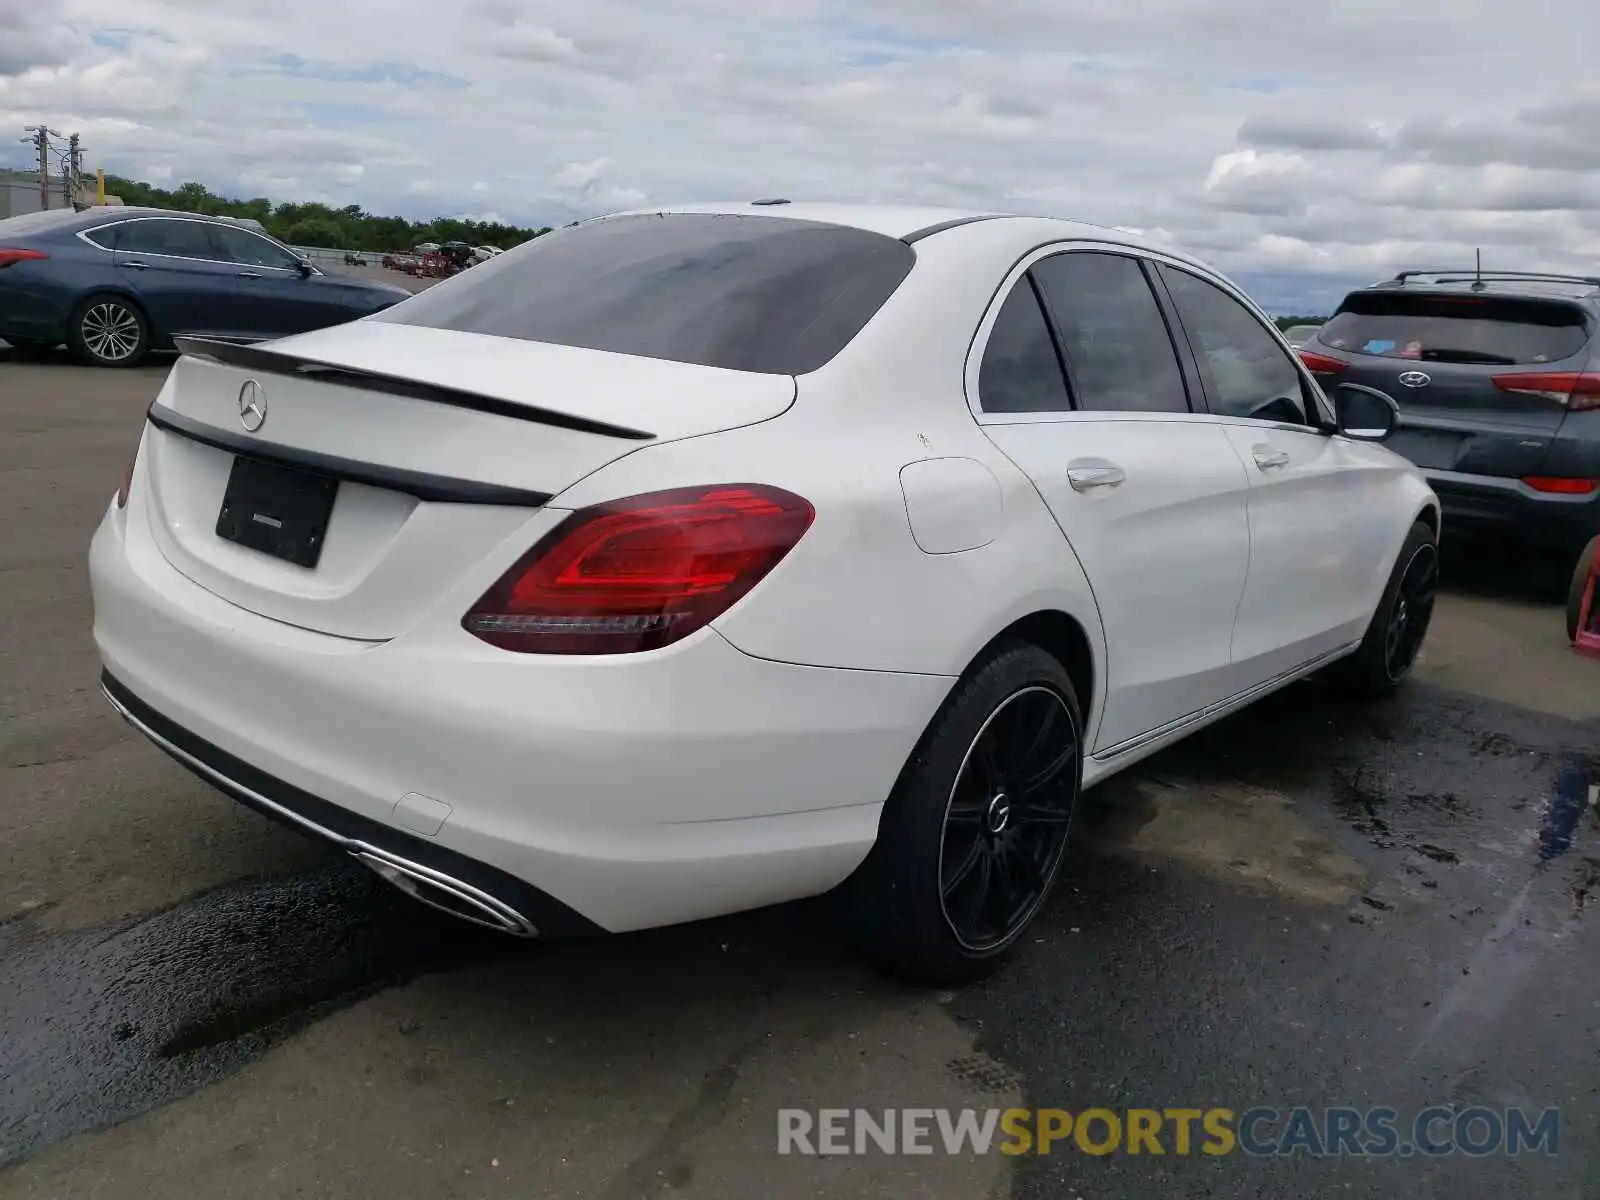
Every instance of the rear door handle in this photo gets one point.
(1084, 477)
(1268, 458)
(137, 266)
(249, 274)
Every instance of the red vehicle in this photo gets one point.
(1583, 602)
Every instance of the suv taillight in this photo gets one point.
(1560, 485)
(1321, 364)
(9, 257)
(640, 573)
(1578, 390)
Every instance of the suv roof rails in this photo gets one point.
(1473, 275)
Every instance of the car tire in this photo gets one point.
(108, 330)
(1398, 628)
(970, 841)
(1580, 579)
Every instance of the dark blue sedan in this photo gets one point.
(116, 283)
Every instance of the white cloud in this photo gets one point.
(1298, 150)
(579, 175)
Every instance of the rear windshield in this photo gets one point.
(1463, 329)
(749, 293)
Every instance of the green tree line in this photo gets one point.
(348, 228)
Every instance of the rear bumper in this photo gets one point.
(30, 310)
(491, 896)
(1511, 508)
(623, 794)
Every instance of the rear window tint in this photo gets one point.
(1462, 329)
(764, 294)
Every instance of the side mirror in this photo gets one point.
(306, 269)
(1365, 414)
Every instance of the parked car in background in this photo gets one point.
(116, 283)
(1498, 383)
(607, 605)
(1299, 335)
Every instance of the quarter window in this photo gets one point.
(1117, 347)
(250, 250)
(174, 239)
(1247, 373)
(1021, 371)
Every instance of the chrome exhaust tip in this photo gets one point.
(438, 890)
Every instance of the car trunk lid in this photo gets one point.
(432, 447)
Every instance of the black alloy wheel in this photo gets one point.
(1006, 823)
(975, 832)
(1412, 611)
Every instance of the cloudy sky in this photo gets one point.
(1303, 147)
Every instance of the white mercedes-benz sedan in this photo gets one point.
(682, 562)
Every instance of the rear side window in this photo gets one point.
(1497, 331)
(748, 293)
(1020, 371)
(1118, 350)
(173, 239)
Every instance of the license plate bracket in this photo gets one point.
(277, 510)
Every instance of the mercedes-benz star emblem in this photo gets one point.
(1415, 378)
(252, 406)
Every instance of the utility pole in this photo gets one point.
(69, 184)
(42, 134)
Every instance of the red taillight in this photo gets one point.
(640, 573)
(10, 257)
(1578, 390)
(1321, 364)
(1561, 486)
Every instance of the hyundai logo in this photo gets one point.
(252, 406)
(1415, 378)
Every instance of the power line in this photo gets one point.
(70, 162)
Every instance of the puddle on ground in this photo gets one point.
(101, 1025)
(1575, 795)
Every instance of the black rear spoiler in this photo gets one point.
(264, 360)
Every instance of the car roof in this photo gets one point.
(1510, 285)
(908, 222)
(122, 212)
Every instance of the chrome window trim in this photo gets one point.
(980, 342)
(85, 236)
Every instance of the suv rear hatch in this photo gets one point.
(393, 455)
(1483, 381)
(432, 447)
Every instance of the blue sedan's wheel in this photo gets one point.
(109, 331)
